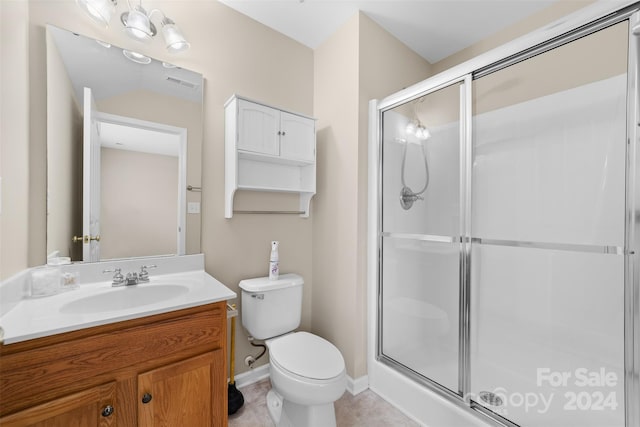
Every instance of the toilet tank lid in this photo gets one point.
(262, 284)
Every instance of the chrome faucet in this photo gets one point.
(118, 278)
(143, 276)
(131, 278)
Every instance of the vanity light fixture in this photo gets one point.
(99, 10)
(137, 22)
(173, 37)
(138, 25)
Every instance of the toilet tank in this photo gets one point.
(271, 307)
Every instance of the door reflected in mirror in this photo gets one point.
(146, 128)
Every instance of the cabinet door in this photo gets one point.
(95, 407)
(258, 128)
(298, 140)
(187, 393)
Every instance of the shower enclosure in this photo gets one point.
(505, 235)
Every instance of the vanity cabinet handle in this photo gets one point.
(107, 411)
(146, 398)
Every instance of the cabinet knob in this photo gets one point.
(146, 398)
(107, 411)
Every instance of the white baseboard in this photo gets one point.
(354, 386)
(358, 385)
(252, 376)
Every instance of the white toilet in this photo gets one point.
(307, 372)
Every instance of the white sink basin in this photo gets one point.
(125, 297)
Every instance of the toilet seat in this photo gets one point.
(307, 355)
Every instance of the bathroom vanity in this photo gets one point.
(163, 363)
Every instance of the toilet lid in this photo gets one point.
(307, 355)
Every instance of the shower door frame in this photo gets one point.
(464, 239)
(554, 35)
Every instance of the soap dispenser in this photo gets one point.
(274, 261)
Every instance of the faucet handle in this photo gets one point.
(144, 274)
(118, 278)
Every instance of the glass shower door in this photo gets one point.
(420, 237)
(548, 236)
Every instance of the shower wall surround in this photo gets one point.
(508, 287)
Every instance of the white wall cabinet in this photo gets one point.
(268, 149)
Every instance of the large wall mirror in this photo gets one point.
(124, 141)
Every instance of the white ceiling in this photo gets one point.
(434, 29)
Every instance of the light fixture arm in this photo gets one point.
(137, 22)
(164, 17)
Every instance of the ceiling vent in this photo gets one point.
(182, 82)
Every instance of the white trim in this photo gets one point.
(358, 385)
(252, 376)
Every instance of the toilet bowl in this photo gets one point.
(307, 375)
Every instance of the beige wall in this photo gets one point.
(361, 61)
(64, 160)
(335, 207)
(137, 193)
(14, 137)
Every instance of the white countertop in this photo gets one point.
(39, 317)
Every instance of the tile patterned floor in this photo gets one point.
(367, 409)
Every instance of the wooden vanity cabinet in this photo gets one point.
(162, 370)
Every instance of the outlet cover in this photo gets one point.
(193, 207)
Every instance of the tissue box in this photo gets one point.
(45, 281)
